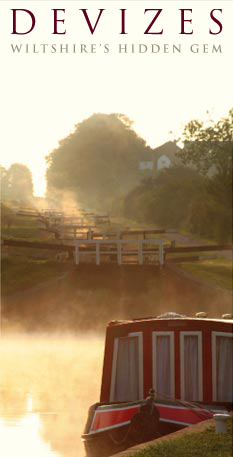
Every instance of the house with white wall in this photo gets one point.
(161, 157)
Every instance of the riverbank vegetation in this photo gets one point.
(19, 227)
(23, 268)
(214, 272)
(196, 193)
(206, 443)
(22, 273)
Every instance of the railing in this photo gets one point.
(80, 249)
(73, 231)
(89, 232)
(66, 221)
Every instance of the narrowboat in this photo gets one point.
(159, 375)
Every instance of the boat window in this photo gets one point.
(127, 370)
(191, 366)
(163, 363)
(222, 367)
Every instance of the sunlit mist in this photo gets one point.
(47, 385)
(24, 437)
(159, 92)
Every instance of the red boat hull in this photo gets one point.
(110, 427)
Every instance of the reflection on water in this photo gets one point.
(22, 438)
(46, 387)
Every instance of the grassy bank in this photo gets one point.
(203, 444)
(23, 268)
(25, 228)
(20, 273)
(216, 272)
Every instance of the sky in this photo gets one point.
(43, 95)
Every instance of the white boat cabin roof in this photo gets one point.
(173, 317)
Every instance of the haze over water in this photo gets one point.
(47, 384)
(49, 380)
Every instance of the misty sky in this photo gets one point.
(45, 95)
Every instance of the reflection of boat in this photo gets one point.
(184, 363)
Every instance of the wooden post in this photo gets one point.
(89, 234)
(118, 232)
(59, 233)
(140, 252)
(104, 234)
(97, 253)
(77, 253)
(119, 253)
(161, 253)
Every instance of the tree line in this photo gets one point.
(98, 164)
(197, 195)
(16, 183)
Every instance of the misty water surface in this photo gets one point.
(47, 384)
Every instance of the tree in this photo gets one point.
(165, 200)
(180, 197)
(98, 162)
(18, 183)
(4, 185)
(209, 147)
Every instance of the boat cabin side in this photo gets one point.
(184, 358)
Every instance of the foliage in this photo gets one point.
(16, 183)
(98, 162)
(197, 198)
(165, 200)
(209, 148)
(3, 179)
(209, 218)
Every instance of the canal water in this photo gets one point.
(47, 384)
